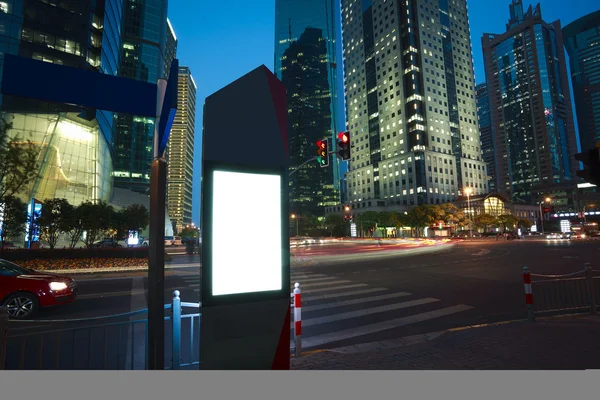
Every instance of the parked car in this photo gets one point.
(107, 243)
(8, 245)
(176, 241)
(24, 291)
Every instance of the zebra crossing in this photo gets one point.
(337, 309)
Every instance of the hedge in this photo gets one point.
(71, 254)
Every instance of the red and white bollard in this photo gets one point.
(297, 319)
(528, 293)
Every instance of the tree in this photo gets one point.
(54, 220)
(14, 215)
(423, 216)
(189, 233)
(524, 223)
(95, 220)
(18, 162)
(506, 221)
(334, 222)
(367, 220)
(73, 227)
(485, 221)
(132, 218)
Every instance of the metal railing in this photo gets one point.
(113, 342)
(577, 291)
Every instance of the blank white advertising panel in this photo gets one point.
(247, 239)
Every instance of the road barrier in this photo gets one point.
(297, 305)
(576, 291)
(110, 342)
(528, 293)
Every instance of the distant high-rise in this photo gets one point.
(485, 130)
(170, 48)
(181, 152)
(311, 79)
(142, 58)
(410, 103)
(582, 41)
(532, 120)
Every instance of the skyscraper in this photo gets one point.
(410, 102)
(142, 58)
(170, 48)
(582, 41)
(181, 152)
(309, 25)
(485, 130)
(74, 147)
(532, 119)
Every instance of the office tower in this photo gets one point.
(305, 61)
(181, 152)
(582, 41)
(74, 146)
(410, 103)
(304, 75)
(170, 48)
(532, 119)
(485, 130)
(142, 58)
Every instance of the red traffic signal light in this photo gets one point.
(323, 152)
(344, 145)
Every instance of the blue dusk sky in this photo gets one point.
(220, 42)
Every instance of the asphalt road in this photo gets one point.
(376, 294)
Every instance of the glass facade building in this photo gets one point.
(142, 58)
(485, 130)
(76, 166)
(532, 118)
(304, 74)
(296, 19)
(75, 153)
(582, 41)
(180, 152)
(410, 101)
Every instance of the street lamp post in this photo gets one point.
(547, 200)
(295, 218)
(468, 193)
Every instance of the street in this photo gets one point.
(354, 293)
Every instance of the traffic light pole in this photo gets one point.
(303, 164)
(306, 162)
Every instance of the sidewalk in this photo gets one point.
(556, 343)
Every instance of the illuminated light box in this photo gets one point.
(248, 263)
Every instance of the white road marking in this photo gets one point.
(354, 301)
(310, 285)
(320, 340)
(364, 312)
(327, 278)
(308, 298)
(327, 289)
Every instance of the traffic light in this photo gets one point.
(591, 165)
(323, 152)
(344, 145)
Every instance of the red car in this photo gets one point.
(24, 291)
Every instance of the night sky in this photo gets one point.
(221, 41)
